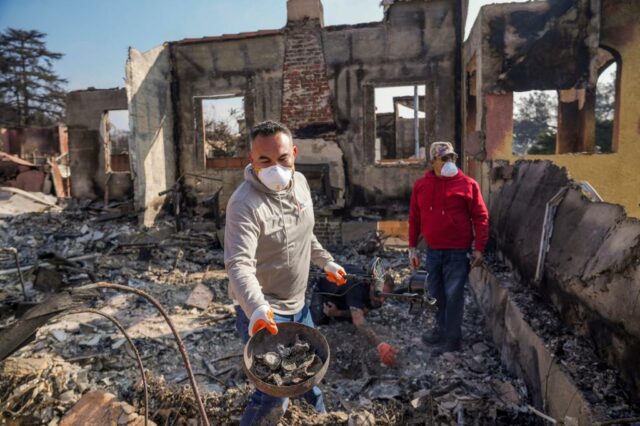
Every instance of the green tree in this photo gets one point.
(534, 128)
(605, 104)
(220, 137)
(31, 93)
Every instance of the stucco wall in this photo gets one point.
(84, 110)
(414, 44)
(152, 143)
(249, 66)
(613, 175)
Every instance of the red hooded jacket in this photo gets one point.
(447, 211)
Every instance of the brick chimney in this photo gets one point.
(306, 97)
(298, 10)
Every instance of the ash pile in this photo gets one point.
(71, 361)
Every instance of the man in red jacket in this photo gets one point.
(448, 210)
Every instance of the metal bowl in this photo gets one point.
(263, 341)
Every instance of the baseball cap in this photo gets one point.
(440, 149)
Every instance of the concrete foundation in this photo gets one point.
(591, 274)
(557, 383)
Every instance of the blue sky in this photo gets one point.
(95, 35)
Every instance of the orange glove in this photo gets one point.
(387, 354)
(335, 273)
(414, 260)
(262, 318)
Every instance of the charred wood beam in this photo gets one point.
(23, 331)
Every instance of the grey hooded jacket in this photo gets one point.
(269, 243)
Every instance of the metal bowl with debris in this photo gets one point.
(289, 363)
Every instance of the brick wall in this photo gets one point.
(306, 99)
(328, 231)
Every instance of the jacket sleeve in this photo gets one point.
(414, 218)
(319, 256)
(479, 217)
(240, 242)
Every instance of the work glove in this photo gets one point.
(387, 354)
(414, 260)
(335, 273)
(262, 318)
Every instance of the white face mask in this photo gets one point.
(276, 177)
(449, 169)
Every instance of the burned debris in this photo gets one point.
(290, 365)
(471, 384)
(35, 160)
(98, 350)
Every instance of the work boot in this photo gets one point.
(451, 345)
(433, 337)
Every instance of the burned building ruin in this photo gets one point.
(560, 290)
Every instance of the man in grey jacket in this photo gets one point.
(268, 246)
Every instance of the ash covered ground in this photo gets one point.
(75, 354)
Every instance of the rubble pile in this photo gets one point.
(600, 384)
(174, 404)
(61, 249)
(470, 384)
(37, 390)
(184, 271)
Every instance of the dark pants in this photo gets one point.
(263, 409)
(448, 272)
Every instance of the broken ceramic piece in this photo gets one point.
(290, 365)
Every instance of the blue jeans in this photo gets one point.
(448, 272)
(263, 409)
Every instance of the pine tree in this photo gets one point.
(31, 93)
(534, 128)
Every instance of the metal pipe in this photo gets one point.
(181, 348)
(416, 122)
(76, 258)
(133, 348)
(542, 415)
(431, 301)
(14, 251)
